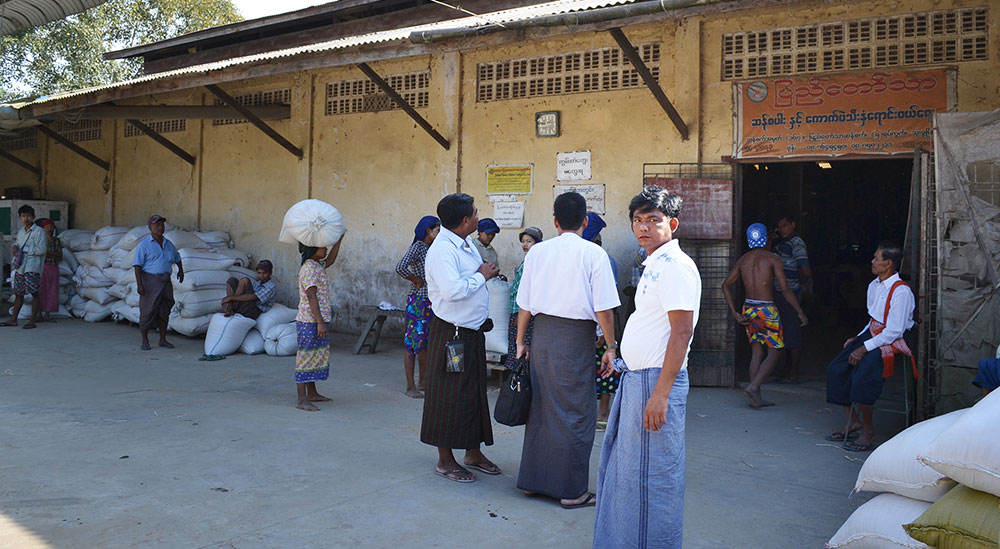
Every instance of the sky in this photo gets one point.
(252, 9)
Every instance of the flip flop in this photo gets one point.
(591, 500)
(483, 466)
(853, 447)
(212, 358)
(31, 326)
(448, 476)
(167, 345)
(839, 436)
(145, 347)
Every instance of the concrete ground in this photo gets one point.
(104, 445)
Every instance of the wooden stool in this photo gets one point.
(373, 328)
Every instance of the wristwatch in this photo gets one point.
(612, 347)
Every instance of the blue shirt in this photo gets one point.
(156, 259)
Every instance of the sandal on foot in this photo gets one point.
(855, 447)
(29, 326)
(839, 436)
(167, 345)
(450, 475)
(591, 500)
(485, 467)
(145, 347)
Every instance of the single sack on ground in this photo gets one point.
(963, 519)
(253, 343)
(278, 314)
(226, 333)
(969, 450)
(879, 524)
(313, 223)
(281, 340)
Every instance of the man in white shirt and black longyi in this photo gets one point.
(567, 286)
(456, 412)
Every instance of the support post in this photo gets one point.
(20, 162)
(74, 147)
(633, 56)
(254, 119)
(398, 99)
(158, 137)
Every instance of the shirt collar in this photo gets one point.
(891, 280)
(663, 250)
(455, 240)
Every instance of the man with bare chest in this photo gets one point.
(759, 270)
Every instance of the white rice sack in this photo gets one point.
(226, 333)
(65, 270)
(241, 272)
(13, 298)
(893, 466)
(240, 258)
(66, 280)
(200, 280)
(496, 339)
(120, 258)
(63, 294)
(184, 239)
(281, 340)
(94, 258)
(191, 327)
(130, 314)
(204, 260)
(277, 314)
(107, 237)
(313, 223)
(198, 303)
(88, 276)
(120, 276)
(76, 240)
(132, 296)
(969, 450)
(26, 309)
(99, 295)
(69, 258)
(118, 291)
(879, 524)
(215, 239)
(132, 238)
(96, 312)
(76, 302)
(253, 343)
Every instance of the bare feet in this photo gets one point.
(10, 322)
(752, 399)
(413, 393)
(307, 406)
(316, 397)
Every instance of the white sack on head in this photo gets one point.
(76, 240)
(226, 333)
(204, 259)
(200, 280)
(281, 340)
(313, 223)
(253, 343)
(215, 239)
(277, 314)
(132, 238)
(198, 303)
(94, 258)
(106, 237)
(69, 258)
(191, 327)
(184, 239)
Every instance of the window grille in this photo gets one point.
(255, 99)
(25, 139)
(362, 95)
(84, 130)
(604, 69)
(945, 36)
(159, 126)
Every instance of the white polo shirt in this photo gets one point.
(456, 289)
(900, 311)
(670, 282)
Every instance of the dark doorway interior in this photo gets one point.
(842, 212)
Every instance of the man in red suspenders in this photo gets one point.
(858, 372)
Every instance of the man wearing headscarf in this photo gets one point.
(418, 305)
(760, 271)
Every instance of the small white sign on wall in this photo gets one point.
(593, 193)
(573, 166)
(509, 215)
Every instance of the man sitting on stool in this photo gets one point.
(248, 297)
(858, 372)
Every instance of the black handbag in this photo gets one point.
(514, 401)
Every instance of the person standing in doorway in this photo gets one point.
(456, 411)
(49, 289)
(155, 256)
(569, 289)
(488, 230)
(791, 249)
(641, 476)
(312, 324)
(29, 260)
(760, 270)
(418, 305)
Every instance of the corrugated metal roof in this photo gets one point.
(500, 17)
(18, 15)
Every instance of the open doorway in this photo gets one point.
(842, 209)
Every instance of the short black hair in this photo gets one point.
(570, 209)
(791, 218)
(655, 198)
(26, 209)
(453, 208)
(892, 252)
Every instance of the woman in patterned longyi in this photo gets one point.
(418, 306)
(312, 360)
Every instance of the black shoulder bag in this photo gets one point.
(514, 401)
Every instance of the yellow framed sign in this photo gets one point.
(509, 178)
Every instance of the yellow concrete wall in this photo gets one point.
(12, 175)
(86, 186)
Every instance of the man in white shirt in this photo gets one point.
(857, 374)
(641, 477)
(567, 286)
(29, 249)
(456, 412)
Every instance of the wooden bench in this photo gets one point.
(373, 327)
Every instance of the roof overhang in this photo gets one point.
(19, 15)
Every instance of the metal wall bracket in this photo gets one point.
(398, 99)
(633, 56)
(254, 119)
(74, 147)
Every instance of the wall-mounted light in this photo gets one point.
(824, 165)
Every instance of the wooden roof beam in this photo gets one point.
(103, 164)
(158, 137)
(253, 119)
(164, 112)
(19, 162)
(398, 99)
(633, 56)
